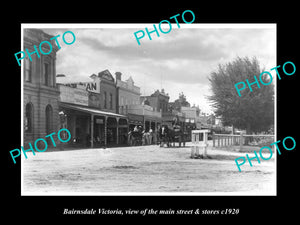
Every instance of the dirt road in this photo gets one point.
(144, 170)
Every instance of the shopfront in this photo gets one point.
(151, 123)
(94, 128)
(123, 130)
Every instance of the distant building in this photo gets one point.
(138, 113)
(40, 94)
(127, 93)
(150, 117)
(158, 100)
(192, 116)
(190, 112)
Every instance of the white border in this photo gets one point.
(138, 25)
(134, 25)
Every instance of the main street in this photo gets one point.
(144, 170)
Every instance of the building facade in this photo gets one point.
(40, 94)
(151, 119)
(127, 93)
(192, 117)
(97, 113)
(91, 116)
(108, 91)
(137, 112)
(158, 100)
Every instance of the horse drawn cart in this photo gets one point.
(173, 135)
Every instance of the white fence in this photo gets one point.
(222, 140)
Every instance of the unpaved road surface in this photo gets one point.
(145, 170)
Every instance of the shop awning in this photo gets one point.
(90, 110)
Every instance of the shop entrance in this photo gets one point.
(82, 134)
(123, 131)
(111, 131)
(99, 131)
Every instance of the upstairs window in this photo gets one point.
(46, 74)
(28, 70)
(110, 101)
(105, 100)
(28, 120)
(49, 118)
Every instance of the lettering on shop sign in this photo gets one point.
(59, 135)
(23, 54)
(142, 33)
(241, 85)
(269, 149)
(89, 86)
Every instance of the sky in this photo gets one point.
(179, 61)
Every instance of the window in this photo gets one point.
(49, 120)
(105, 100)
(121, 100)
(28, 126)
(46, 74)
(28, 70)
(110, 101)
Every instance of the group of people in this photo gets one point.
(163, 135)
(138, 136)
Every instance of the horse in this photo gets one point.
(135, 137)
(176, 133)
(163, 135)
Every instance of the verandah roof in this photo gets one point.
(90, 110)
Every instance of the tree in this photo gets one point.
(253, 111)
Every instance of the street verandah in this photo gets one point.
(94, 128)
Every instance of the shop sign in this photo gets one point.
(73, 95)
(88, 86)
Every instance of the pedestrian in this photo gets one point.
(143, 138)
(154, 136)
(147, 137)
(150, 136)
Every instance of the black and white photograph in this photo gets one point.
(144, 109)
(149, 111)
